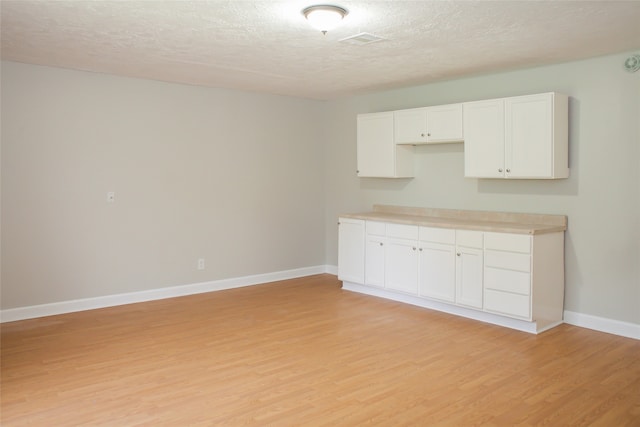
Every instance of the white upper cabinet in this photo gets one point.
(484, 139)
(522, 137)
(378, 155)
(536, 136)
(429, 125)
(517, 137)
(410, 126)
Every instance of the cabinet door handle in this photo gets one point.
(380, 243)
(500, 170)
(420, 249)
(508, 170)
(414, 248)
(458, 254)
(422, 134)
(428, 134)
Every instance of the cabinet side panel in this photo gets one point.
(548, 278)
(561, 136)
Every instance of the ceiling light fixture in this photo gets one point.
(324, 17)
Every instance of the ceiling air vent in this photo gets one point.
(362, 38)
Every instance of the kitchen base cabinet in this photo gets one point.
(375, 248)
(469, 277)
(401, 266)
(469, 268)
(437, 263)
(437, 267)
(351, 256)
(510, 279)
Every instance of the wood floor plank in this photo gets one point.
(305, 352)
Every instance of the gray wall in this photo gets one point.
(601, 198)
(229, 176)
(255, 183)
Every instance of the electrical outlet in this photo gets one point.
(200, 263)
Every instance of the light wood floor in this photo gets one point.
(306, 353)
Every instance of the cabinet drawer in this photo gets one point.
(507, 260)
(377, 228)
(401, 231)
(470, 239)
(508, 242)
(507, 303)
(438, 235)
(507, 280)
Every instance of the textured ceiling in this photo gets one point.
(267, 46)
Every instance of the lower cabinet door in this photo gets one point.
(469, 277)
(374, 261)
(436, 271)
(401, 265)
(351, 247)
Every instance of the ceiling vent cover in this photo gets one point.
(362, 38)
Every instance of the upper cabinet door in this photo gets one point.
(484, 139)
(410, 126)
(536, 143)
(429, 125)
(444, 123)
(378, 155)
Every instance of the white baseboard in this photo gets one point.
(616, 327)
(602, 324)
(331, 269)
(30, 312)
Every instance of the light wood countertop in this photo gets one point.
(500, 222)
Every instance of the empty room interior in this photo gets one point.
(288, 213)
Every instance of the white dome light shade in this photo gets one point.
(324, 17)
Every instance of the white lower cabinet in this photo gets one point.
(374, 263)
(517, 276)
(351, 254)
(507, 274)
(401, 265)
(401, 258)
(437, 264)
(375, 254)
(469, 267)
